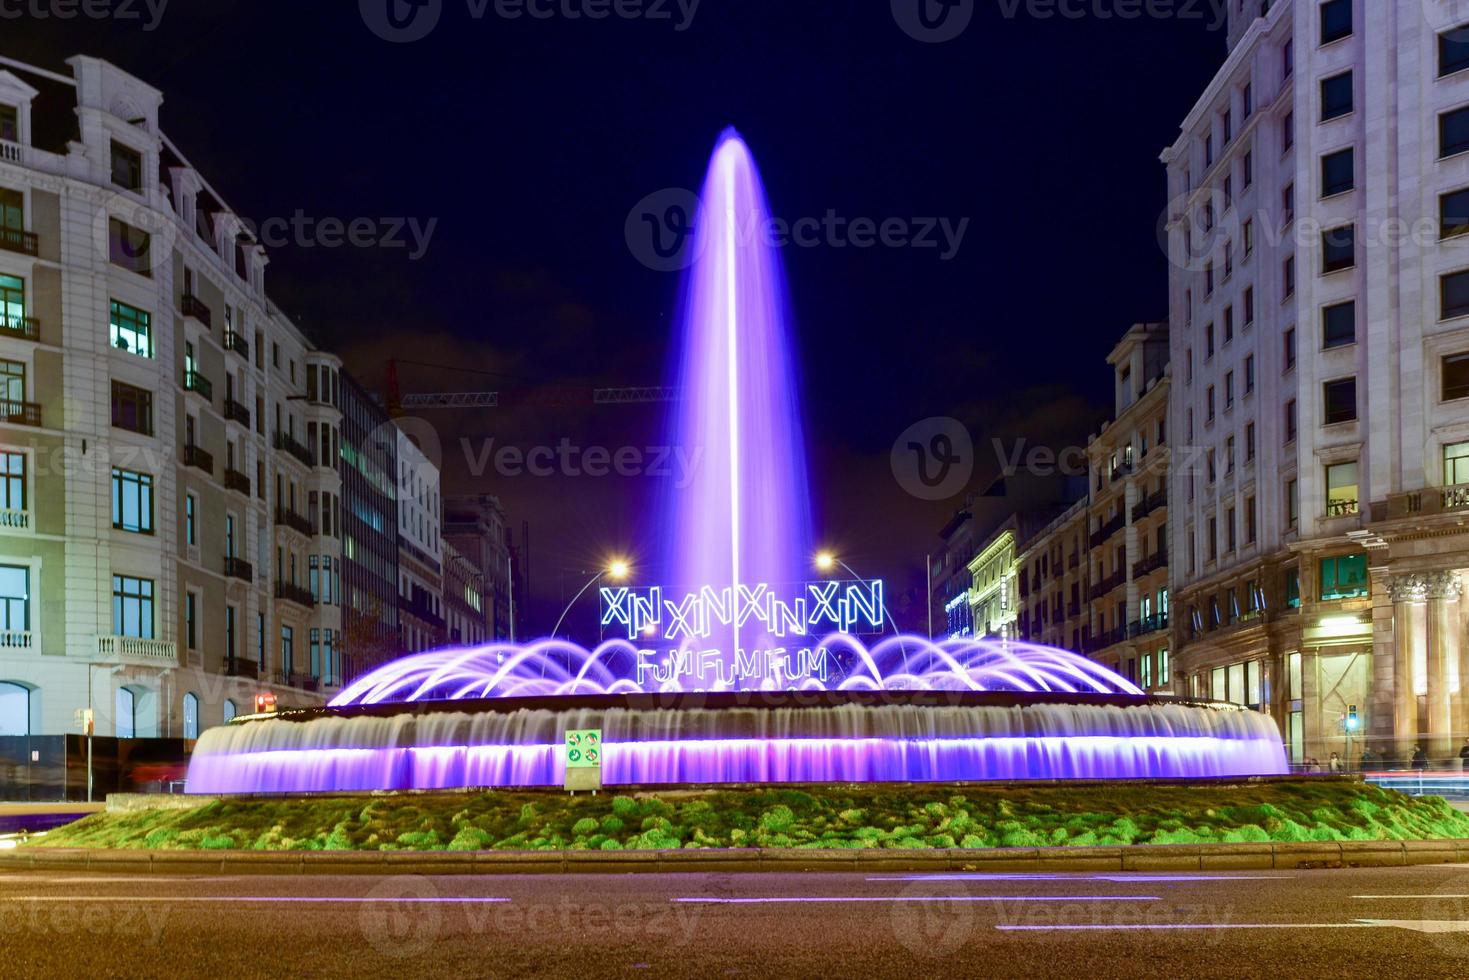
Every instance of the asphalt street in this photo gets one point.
(1404, 922)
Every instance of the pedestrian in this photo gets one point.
(1420, 757)
(1367, 759)
(1464, 755)
(1334, 763)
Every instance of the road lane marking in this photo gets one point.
(1113, 879)
(917, 898)
(325, 899)
(1425, 926)
(1373, 898)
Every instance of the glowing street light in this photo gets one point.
(617, 569)
(826, 561)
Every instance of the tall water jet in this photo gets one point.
(745, 516)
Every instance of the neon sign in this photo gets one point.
(737, 636)
(811, 609)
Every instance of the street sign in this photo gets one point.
(265, 702)
(583, 759)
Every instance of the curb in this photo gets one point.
(1136, 858)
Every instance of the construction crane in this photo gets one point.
(555, 396)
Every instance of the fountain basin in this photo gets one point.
(744, 737)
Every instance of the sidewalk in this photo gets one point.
(1141, 858)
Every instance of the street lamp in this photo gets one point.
(827, 562)
(617, 570)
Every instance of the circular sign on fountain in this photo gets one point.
(747, 672)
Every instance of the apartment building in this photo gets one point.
(170, 531)
(421, 624)
(1319, 289)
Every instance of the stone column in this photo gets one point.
(1443, 590)
(1409, 592)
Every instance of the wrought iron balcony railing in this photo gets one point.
(20, 327)
(193, 306)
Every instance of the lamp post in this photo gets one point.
(616, 570)
(826, 562)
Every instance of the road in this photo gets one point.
(1404, 922)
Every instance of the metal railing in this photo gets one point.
(236, 481)
(15, 240)
(199, 385)
(193, 306)
(241, 668)
(199, 459)
(239, 568)
(287, 444)
(233, 341)
(1152, 563)
(20, 413)
(23, 327)
(285, 517)
(291, 592)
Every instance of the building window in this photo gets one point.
(288, 650)
(1290, 421)
(131, 330)
(127, 713)
(9, 124)
(1249, 373)
(12, 390)
(1293, 588)
(1288, 132)
(1288, 278)
(132, 408)
(191, 715)
(1250, 442)
(1339, 325)
(1340, 401)
(1454, 295)
(1292, 502)
(1344, 578)
(15, 709)
(1336, 96)
(191, 620)
(15, 598)
(129, 248)
(1336, 20)
(1338, 172)
(191, 507)
(1453, 214)
(230, 711)
(1342, 496)
(12, 485)
(1249, 305)
(132, 501)
(1453, 132)
(1453, 51)
(1338, 248)
(127, 167)
(132, 606)
(1456, 464)
(1290, 348)
(13, 305)
(1455, 369)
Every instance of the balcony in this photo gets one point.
(12, 519)
(421, 611)
(15, 240)
(1155, 561)
(304, 682)
(1113, 581)
(284, 517)
(1152, 624)
(1107, 530)
(235, 412)
(193, 306)
(239, 568)
(199, 459)
(1342, 508)
(199, 385)
(20, 413)
(1073, 609)
(136, 650)
(16, 640)
(20, 327)
(236, 481)
(1150, 503)
(291, 592)
(242, 668)
(287, 444)
(1104, 640)
(235, 342)
(1422, 503)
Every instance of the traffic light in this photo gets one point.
(1353, 721)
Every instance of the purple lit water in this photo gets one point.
(745, 518)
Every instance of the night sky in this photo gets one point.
(531, 141)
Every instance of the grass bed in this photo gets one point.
(907, 816)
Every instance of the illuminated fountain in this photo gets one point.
(744, 672)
